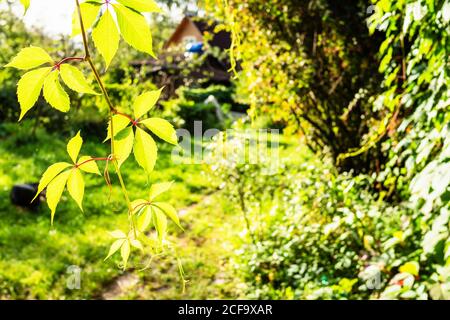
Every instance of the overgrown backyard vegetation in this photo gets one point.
(352, 203)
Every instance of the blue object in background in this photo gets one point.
(196, 47)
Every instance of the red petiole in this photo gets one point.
(57, 65)
(133, 122)
(92, 159)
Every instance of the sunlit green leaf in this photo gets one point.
(50, 174)
(134, 29)
(123, 145)
(162, 129)
(74, 146)
(55, 190)
(106, 37)
(160, 222)
(170, 211)
(158, 188)
(29, 88)
(144, 219)
(30, 57)
(26, 4)
(75, 79)
(137, 244)
(145, 102)
(54, 94)
(75, 186)
(125, 252)
(114, 247)
(119, 123)
(89, 13)
(145, 150)
(88, 165)
(118, 234)
(141, 5)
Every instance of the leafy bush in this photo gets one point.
(316, 234)
(193, 105)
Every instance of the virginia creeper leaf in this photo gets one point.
(141, 5)
(162, 128)
(74, 146)
(54, 94)
(89, 13)
(137, 244)
(145, 102)
(160, 222)
(144, 219)
(75, 79)
(145, 150)
(118, 234)
(123, 144)
(55, 190)
(75, 186)
(50, 174)
(26, 4)
(106, 37)
(29, 58)
(89, 166)
(114, 247)
(134, 29)
(137, 205)
(159, 188)
(29, 88)
(125, 252)
(170, 211)
(119, 123)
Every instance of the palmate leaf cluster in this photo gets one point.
(127, 133)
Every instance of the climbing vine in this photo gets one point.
(127, 133)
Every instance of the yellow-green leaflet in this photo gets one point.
(89, 13)
(49, 174)
(29, 58)
(55, 190)
(26, 4)
(75, 186)
(137, 244)
(114, 247)
(123, 145)
(75, 79)
(54, 94)
(134, 29)
(169, 210)
(141, 5)
(118, 234)
(119, 123)
(145, 102)
(106, 37)
(145, 218)
(158, 188)
(145, 150)
(125, 252)
(162, 128)
(160, 222)
(90, 167)
(74, 146)
(29, 88)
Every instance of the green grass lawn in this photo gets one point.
(34, 256)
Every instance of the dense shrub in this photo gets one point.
(192, 105)
(315, 234)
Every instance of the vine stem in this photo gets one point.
(112, 111)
